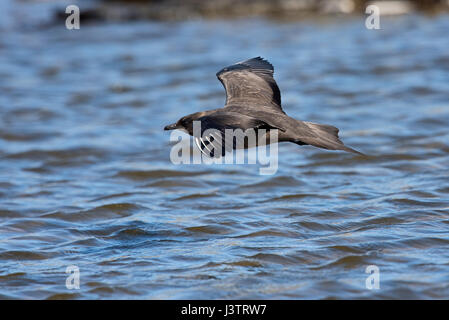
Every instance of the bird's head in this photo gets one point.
(185, 123)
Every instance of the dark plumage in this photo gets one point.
(253, 100)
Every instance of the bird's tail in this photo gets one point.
(326, 136)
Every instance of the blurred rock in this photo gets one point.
(338, 6)
(393, 7)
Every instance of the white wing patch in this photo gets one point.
(216, 144)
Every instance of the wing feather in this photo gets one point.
(250, 83)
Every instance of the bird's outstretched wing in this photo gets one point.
(250, 84)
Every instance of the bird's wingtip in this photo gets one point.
(353, 151)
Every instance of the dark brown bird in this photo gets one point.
(253, 100)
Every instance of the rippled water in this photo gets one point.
(86, 178)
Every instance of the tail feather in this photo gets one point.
(326, 137)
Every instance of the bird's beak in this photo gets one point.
(172, 126)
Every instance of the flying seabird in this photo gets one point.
(253, 101)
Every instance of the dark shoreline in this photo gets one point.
(178, 10)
